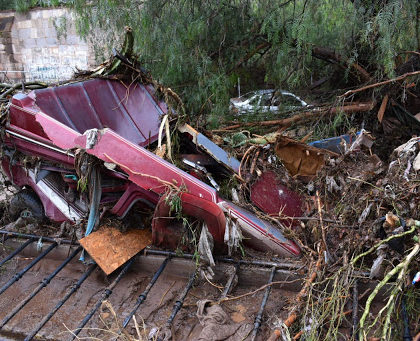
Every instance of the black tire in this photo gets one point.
(27, 200)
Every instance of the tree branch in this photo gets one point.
(333, 57)
(408, 74)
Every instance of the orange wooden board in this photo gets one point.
(110, 248)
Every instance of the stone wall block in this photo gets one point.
(51, 32)
(34, 33)
(24, 33)
(41, 42)
(51, 41)
(30, 43)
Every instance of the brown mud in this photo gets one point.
(154, 312)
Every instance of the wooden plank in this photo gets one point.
(111, 248)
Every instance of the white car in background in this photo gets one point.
(263, 101)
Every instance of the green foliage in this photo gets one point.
(190, 238)
(25, 5)
(337, 125)
(201, 48)
(6, 4)
(82, 184)
(61, 24)
(175, 204)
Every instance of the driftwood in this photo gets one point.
(382, 109)
(363, 88)
(10, 88)
(304, 116)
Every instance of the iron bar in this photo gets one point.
(74, 288)
(258, 318)
(105, 294)
(27, 236)
(4, 237)
(144, 294)
(42, 285)
(180, 301)
(19, 249)
(228, 260)
(229, 282)
(262, 263)
(278, 265)
(19, 275)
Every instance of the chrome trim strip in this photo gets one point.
(58, 201)
(23, 137)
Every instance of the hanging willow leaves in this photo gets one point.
(201, 48)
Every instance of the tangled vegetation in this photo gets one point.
(203, 49)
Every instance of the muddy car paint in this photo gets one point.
(51, 124)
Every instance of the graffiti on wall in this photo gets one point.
(48, 74)
(52, 68)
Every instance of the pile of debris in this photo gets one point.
(109, 154)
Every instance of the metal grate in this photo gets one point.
(108, 291)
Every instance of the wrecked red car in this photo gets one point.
(48, 130)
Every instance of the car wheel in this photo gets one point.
(26, 203)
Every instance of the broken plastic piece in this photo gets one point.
(416, 279)
(335, 144)
(376, 269)
(364, 138)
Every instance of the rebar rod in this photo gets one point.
(142, 297)
(229, 282)
(105, 294)
(73, 289)
(19, 249)
(42, 285)
(27, 236)
(258, 318)
(180, 301)
(19, 275)
(278, 265)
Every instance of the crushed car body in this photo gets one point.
(49, 131)
(263, 101)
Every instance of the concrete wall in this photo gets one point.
(32, 49)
